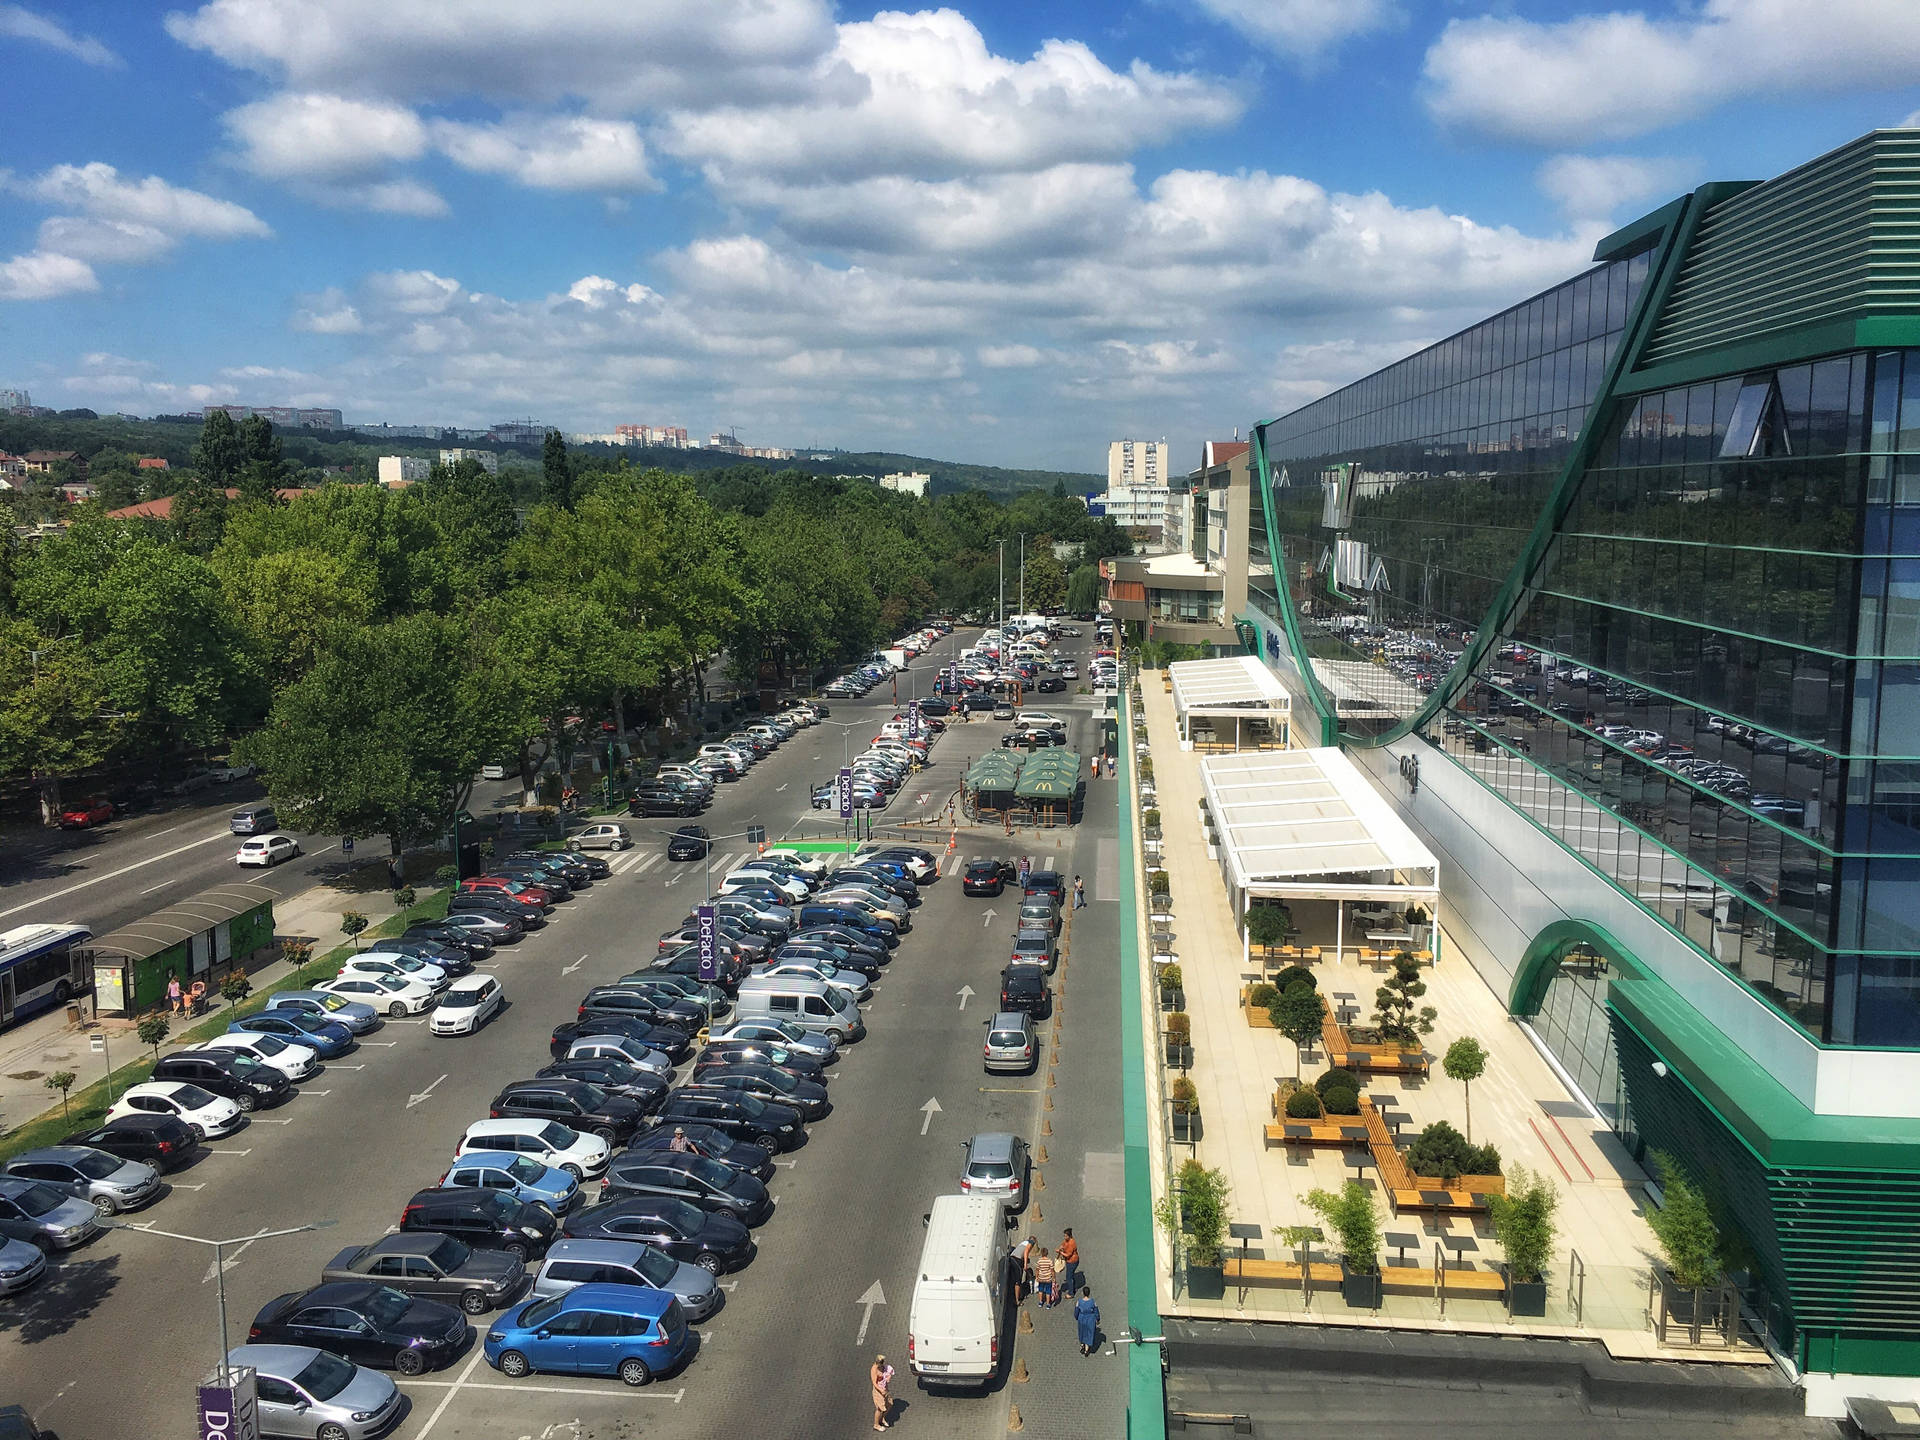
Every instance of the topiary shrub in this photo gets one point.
(1337, 1079)
(1261, 997)
(1339, 1100)
(1267, 924)
(1293, 975)
(1442, 1150)
(1303, 1105)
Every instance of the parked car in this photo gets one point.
(628, 1262)
(1011, 1046)
(764, 1082)
(453, 960)
(998, 1164)
(239, 1077)
(511, 1173)
(316, 1395)
(365, 1322)
(575, 1104)
(669, 1040)
(689, 842)
(717, 1243)
(296, 1060)
(21, 1264)
(458, 928)
(353, 1016)
(1025, 987)
(162, 1141)
(660, 800)
(654, 1009)
(384, 992)
(606, 835)
(779, 1032)
(500, 903)
(646, 1088)
(483, 1219)
(799, 1064)
(592, 1330)
(396, 966)
(45, 1215)
(541, 897)
(110, 1183)
(82, 814)
(772, 1127)
(667, 1175)
(434, 1267)
(1047, 882)
(548, 1141)
(466, 1005)
(739, 1155)
(1034, 946)
(266, 850)
(211, 1116)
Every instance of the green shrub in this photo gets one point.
(1337, 1079)
(1303, 1105)
(405, 897)
(1179, 1026)
(1341, 1101)
(1439, 1150)
(1294, 975)
(1684, 1225)
(1354, 1221)
(1198, 1210)
(1186, 1099)
(1523, 1222)
(1482, 1160)
(1171, 978)
(1267, 924)
(1262, 996)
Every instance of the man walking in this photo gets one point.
(1079, 893)
(1069, 1258)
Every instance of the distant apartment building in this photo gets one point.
(1138, 490)
(517, 432)
(14, 400)
(905, 483)
(489, 461)
(1138, 463)
(397, 471)
(671, 436)
(285, 416)
(41, 462)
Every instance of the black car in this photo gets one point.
(484, 1219)
(987, 877)
(716, 1243)
(616, 1076)
(497, 903)
(165, 1142)
(577, 1104)
(669, 1040)
(743, 920)
(666, 1175)
(450, 958)
(659, 800)
(850, 940)
(365, 1322)
(1047, 882)
(639, 1005)
(759, 1052)
(772, 1127)
(596, 866)
(818, 949)
(764, 1082)
(454, 937)
(230, 1073)
(978, 700)
(576, 869)
(686, 961)
(1025, 987)
(748, 1158)
(689, 842)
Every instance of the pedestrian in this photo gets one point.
(1026, 869)
(879, 1376)
(1086, 1318)
(1079, 899)
(1069, 1257)
(176, 1001)
(1022, 1257)
(1043, 1277)
(680, 1144)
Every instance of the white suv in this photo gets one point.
(548, 1141)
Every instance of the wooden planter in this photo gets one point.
(1256, 1017)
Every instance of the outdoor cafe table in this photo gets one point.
(1390, 937)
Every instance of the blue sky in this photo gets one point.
(1003, 232)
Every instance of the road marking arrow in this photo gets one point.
(965, 992)
(778, 788)
(569, 969)
(874, 1296)
(986, 918)
(413, 1100)
(336, 1065)
(929, 1110)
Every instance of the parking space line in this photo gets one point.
(453, 1389)
(454, 1386)
(346, 1067)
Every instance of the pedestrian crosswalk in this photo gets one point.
(634, 863)
(1041, 859)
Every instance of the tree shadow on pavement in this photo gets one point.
(73, 1290)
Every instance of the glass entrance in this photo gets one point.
(1574, 1025)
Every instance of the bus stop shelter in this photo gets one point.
(202, 938)
(1307, 825)
(1237, 688)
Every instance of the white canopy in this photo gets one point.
(1306, 824)
(1237, 687)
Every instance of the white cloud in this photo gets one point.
(596, 292)
(1597, 186)
(412, 292)
(387, 197)
(1912, 122)
(1304, 29)
(39, 275)
(19, 23)
(1619, 74)
(98, 190)
(557, 153)
(110, 242)
(318, 136)
(921, 95)
(1010, 357)
(328, 313)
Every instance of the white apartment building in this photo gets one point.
(914, 483)
(1143, 463)
(399, 470)
(489, 460)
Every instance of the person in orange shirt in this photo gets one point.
(1069, 1257)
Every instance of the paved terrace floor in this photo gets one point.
(1519, 1105)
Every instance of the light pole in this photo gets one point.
(219, 1248)
(1023, 574)
(1003, 586)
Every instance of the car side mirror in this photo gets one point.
(927, 1219)
(543, 1334)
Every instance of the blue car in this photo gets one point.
(327, 1038)
(626, 1330)
(355, 1016)
(517, 1175)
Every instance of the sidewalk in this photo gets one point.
(36, 1048)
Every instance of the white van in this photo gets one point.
(812, 1004)
(953, 1329)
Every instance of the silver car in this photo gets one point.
(110, 1183)
(998, 1165)
(1012, 1047)
(627, 1262)
(313, 1395)
(45, 1214)
(21, 1265)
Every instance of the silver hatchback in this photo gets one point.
(310, 1393)
(627, 1262)
(998, 1165)
(1012, 1048)
(45, 1214)
(110, 1183)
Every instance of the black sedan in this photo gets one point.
(165, 1142)
(689, 842)
(772, 1127)
(659, 800)
(367, 1323)
(668, 1175)
(615, 1076)
(716, 1243)
(759, 1052)
(988, 877)
(747, 1158)
(1050, 685)
(1047, 882)
(477, 946)
(669, 1040)
(936, 706)
(767, 1083)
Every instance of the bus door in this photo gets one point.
(6, 996)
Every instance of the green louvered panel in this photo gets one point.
(1837, 238)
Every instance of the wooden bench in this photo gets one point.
(1326, 1274)
(1408, 1191)
(1401, 1279)
(1344, 1054)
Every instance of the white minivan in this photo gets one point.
(810, 1003)
(953, 1329)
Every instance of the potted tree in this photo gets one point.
(1186, 1110)
(1356, 1228)
(1257, 1001)
(1150, 823)
(1523, 1223)
(1173, 995)
(1179, 1040)
(1267, 927)
(1196, 1211)
(1298, 1015)
(1689, 1237)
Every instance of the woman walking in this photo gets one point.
(1086, 1319)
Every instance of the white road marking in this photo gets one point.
(453, 1389)
(928, 1111)
(247, 1151)
(116, 874)
(269, 1120)
(383, 1044)
(874, 1296)
(422, 1095)
(337, 1066)
(965, 992)
(316, 1092)
(177, 1185)
(569, 969)
(161, 886)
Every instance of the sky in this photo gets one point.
(1007, 232)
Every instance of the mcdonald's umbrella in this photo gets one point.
(996, 767)
(1058, 785)
(1052, 762)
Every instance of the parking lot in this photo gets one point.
(833, 1275)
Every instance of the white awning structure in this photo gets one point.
(1306, 824)
(1363, 691)
(1237, 687)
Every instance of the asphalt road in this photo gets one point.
(110, 1345)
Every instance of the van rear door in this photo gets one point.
(953, 1333)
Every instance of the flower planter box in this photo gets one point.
(1186, 1127)
(1256, 1017)
(1179, 1056)
(1526, 1297)
(1172, 998)
(1206, 1282)
(1359, 1288)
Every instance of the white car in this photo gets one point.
(227, 774)
(800, 859)
(494, 770)
(210, 1115)
(918, 866)
(468, 1004)
(267, 850)
(547, 1141)
(400, 967)
(851, 981)
(792, 889)
(296, 1062)
(382, 992)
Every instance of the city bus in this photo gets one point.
(42, 966)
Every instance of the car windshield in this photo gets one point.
(749, 1106)
(37, 1200)
(592, 1096)
(526, 1171)
(459, 999)
(536, 1315)
(1031, 942)
(558, 1136)
(325, 1376)
(780, 1081)
(387, 983)
(500, 1205)
(657, 1269)
(450, 1255)
(96, 1166)
(242, 1061)
(385, 1307)
(191, 1096)
(267, 1045)
(1006, 1037)
(682, 1215)
(333, 1002)
(712, 1172)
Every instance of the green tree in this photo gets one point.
(1083, 590)
(1351, 1215)
(1298, 1015)
(220, 455)
(1523, 1222)
(53, 718)
(556, 471)
(153, 1031)
(473, 512)
(264, 469)
(198, 516)
(1394, 1012)
(1684, 1225)
(1465, 1061)
(352, 923)
(62, 1080)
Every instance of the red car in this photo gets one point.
(519, 890)
(85, 813)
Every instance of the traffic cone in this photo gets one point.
(1040, 1155)
(1037, 1217)
(1020, 1376)
(1014, 1422)
(1050, 1077)
(1039, 1180)
(1048, 1105)
(1026, 1321)
(1046, 1126)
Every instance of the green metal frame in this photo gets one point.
(1289, 623)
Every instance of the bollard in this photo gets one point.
(1040, 1155)
(1050, 1077)
(1026, 1321)
(1039, 1180)
(1020, 1376)
(1048, 1105)
(1014, 1422)
(1046, 1126)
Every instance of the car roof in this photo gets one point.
(472, 982)
(1010, 1020)
(67, 1153)
(992, 1145)
(596, 1249)
(415, 1242)
(281, 1362)
(502, 1158)
(619, 1299)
